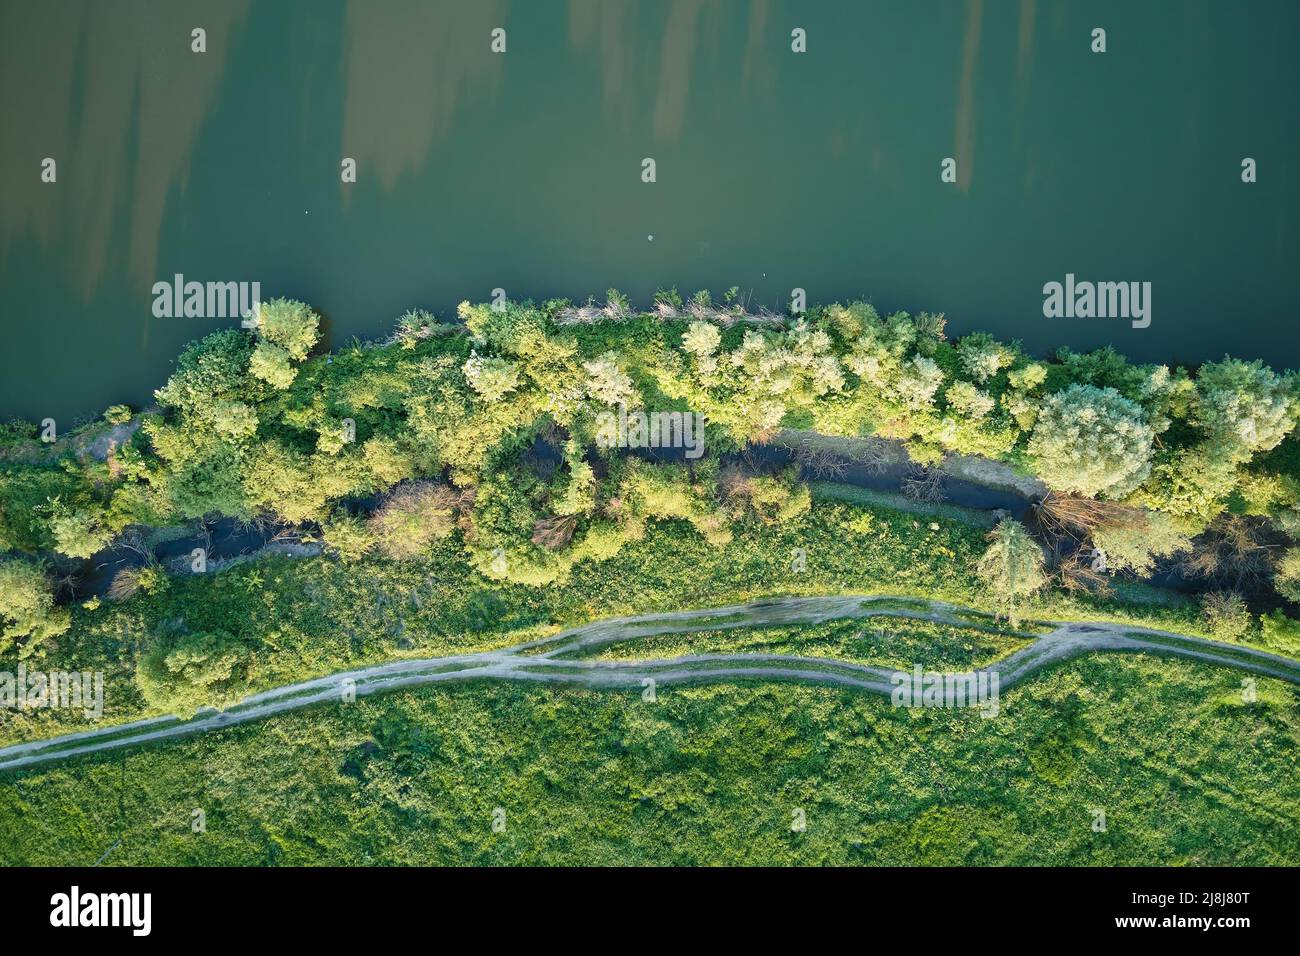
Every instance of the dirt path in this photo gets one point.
(540, 660)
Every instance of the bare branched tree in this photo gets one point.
(1234, 553)
(1077, 516)
(555, 532)
(924, 485)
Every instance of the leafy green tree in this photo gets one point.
(491, 378)
(1192, 484)
(290, 324)
(214, 367)
(1102, 368)
(1244, 407)
(701, 340)
(1136, 545)
(918, 382)
(982, 357)
(79, 530)
(388, 460)
(235, 421)
(606, 380)
(181, 672)
(1091, 441)
(969, 402)
(271, 364)
(1012, 567)
(28, 614)
(1287, 579)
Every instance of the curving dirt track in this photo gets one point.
(541, 660)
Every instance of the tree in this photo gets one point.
(1012, 567)
(27, 609)
(606, 380)
(1091, 441)
(701, 339)
(1244, 407)
(271, 364)
(290, 324)
(414, 516)
(1135, 545)
(79, 530)
(491, 378)
(968, 401)
(1287, 579)
(182, 672)
(214, 367)
(982, 357)
(919, 380)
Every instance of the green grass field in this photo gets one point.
(1183, 770)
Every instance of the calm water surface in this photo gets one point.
(522, 170)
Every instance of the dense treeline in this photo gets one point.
(443, 422)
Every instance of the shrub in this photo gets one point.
(667, 491)
(412, 518)
(117, 414)
(1280, 633)
(776, 500)
(348, 536)
(149, 578)
(414, 325)
(1226, 615)
(182, 672)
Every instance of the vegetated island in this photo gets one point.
(448, 491)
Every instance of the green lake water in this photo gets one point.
(522, 170)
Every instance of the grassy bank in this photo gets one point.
(291, 619)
